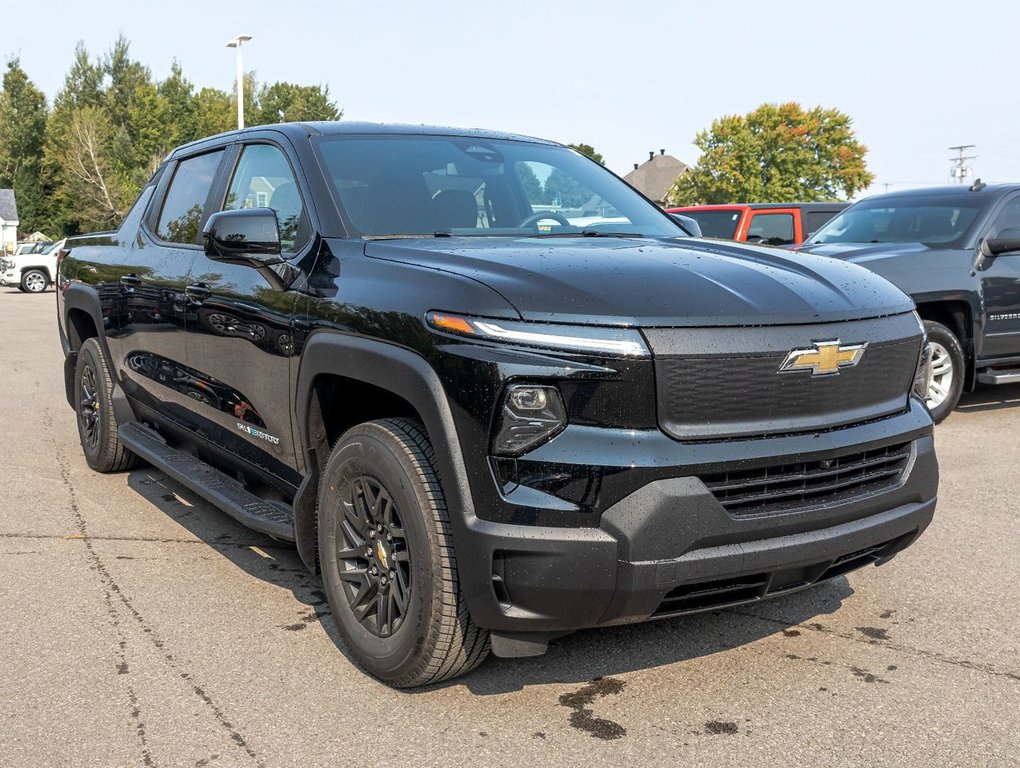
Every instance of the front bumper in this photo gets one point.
(670, 547)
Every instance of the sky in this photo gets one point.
(627, 77)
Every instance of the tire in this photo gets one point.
(34, 281)
(389, 464)
(93, 407)
(948, 370)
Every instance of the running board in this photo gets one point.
(214, 486)
(991, 376)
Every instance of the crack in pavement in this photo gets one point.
(144, 539)
(987, 669)
(112, 594)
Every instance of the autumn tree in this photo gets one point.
(777, 153)
(23, 114)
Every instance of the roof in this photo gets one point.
(957, 189)
(342, 127)
(816, 206)
(655, 176)
(8, 206)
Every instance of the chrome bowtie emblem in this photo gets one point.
(825, 358)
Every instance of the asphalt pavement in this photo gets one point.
(141, 627)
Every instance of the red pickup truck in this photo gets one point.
(765, 223)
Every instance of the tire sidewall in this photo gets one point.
(945, 337)
(89, 357)
(373, 453)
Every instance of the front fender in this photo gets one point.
(402, 372)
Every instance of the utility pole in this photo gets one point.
(961, 169)
(236, 43)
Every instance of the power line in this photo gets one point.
(961, 170)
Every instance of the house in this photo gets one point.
(38, 237)
(8, 221)
(654, 177)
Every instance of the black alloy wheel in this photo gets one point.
(375, 559)
(88, 410)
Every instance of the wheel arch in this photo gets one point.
(958, 316)
(385, 380)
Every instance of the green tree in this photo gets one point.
(777, 153)
(588, 151)
(23, 114)
(531, 184)
(287, 102)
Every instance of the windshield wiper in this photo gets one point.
(588, 233)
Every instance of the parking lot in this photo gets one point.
(142, 627)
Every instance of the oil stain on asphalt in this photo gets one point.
(583, 719)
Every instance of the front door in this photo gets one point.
(240, 334)
(1001, 281)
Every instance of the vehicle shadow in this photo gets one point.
(988, 397)
(577, 658)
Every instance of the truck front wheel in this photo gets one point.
(387, 558)
(947, 370)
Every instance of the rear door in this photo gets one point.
(240, 335)
(149, 347)
(1001, 283)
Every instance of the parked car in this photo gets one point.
(26, 247)
(761, 223)
(32, 271)
(956, 251)
(486, 420)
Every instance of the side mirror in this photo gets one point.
(1007, 243)
(249, 236)
(690, 225)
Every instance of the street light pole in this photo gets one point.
(236, 43)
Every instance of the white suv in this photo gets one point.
(31, 272)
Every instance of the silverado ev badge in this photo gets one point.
(826, 358)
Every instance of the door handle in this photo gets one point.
(198, 292)
(131, 280)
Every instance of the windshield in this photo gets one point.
(721, 224)
(941, 220)
(398, 185)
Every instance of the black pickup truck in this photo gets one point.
(956, 251)
(488, 420)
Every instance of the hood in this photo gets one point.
(861, 253)
(649, 282)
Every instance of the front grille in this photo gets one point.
(727, 383)
(791, 486)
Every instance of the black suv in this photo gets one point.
(492, 393)
(956, 251)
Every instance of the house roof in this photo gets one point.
(8, 206)
(655, 176)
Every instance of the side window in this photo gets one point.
(772, 228)
(185, 199)
(814, 220)
(1007, 219)
(264, 180)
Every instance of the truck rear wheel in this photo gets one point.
(34, 281)
(387, 558)
(947, 370)
(93, 406)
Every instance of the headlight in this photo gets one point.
(575, 338)
(922, 374)
(531, 414)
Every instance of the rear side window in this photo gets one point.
(185, 199)
(815, 220)
(772, 228)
